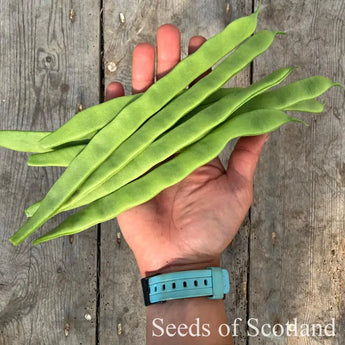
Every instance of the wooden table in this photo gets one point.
(287, 260)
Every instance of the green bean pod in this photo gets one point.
(23, 141)
(87, 122)
(171, 143)
(190, 68)
(60, 158)
(63, 157)
(292, 93)
(168, 116)
(306, 106)
(139, 165)
(175, 110)
(171, 172)
(131, 118)
(157, 152)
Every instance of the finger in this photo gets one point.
(168, 49)
(114, 90)
(194, 44)
(143, 67)
(244, 158)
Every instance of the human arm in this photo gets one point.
(188, 225)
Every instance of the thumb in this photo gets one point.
(245, 156)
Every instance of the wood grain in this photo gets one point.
(298, 224)
(121, 306)
(48, 65)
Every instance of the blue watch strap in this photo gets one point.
(212, 282)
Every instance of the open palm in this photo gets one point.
(189, 224)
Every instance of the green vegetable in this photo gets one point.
(60, 157)
(23, 141)
(138, 166)
(63, 157)
(185, 134)
(171, 172)
(110, 149)
(169, 115)
(307, 106)
(288, 95)
(175, 110)
(181, 76)
(87, 122)
(172, 142)
(131, 117)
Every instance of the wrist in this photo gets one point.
(178, 265)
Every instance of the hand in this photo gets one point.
(188, 225)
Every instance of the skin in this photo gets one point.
(188, 225)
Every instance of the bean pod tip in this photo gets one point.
(339, 84)
(13, 241)
(259, 7)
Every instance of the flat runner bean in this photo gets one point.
(181, 76)
(171, 143)
(292, 93)
(63, 157)
(173, 171)
(168, 116)
(59, 158)
(87, 122)
(139, 165)
(175, 110)
(23, 141)
(131, 117)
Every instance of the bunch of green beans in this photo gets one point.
(88, 122)
(114, 149)
(147, 159)
(143, 162)
(178, 138)
(191, 130)
(64, 156)
(104, 143)
(286, 98)
(170, 114)
(251, 123)
(175, 110)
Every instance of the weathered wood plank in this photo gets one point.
(49, 63)
(121, 306)
(298, 226)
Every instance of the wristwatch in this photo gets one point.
(213, 282)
